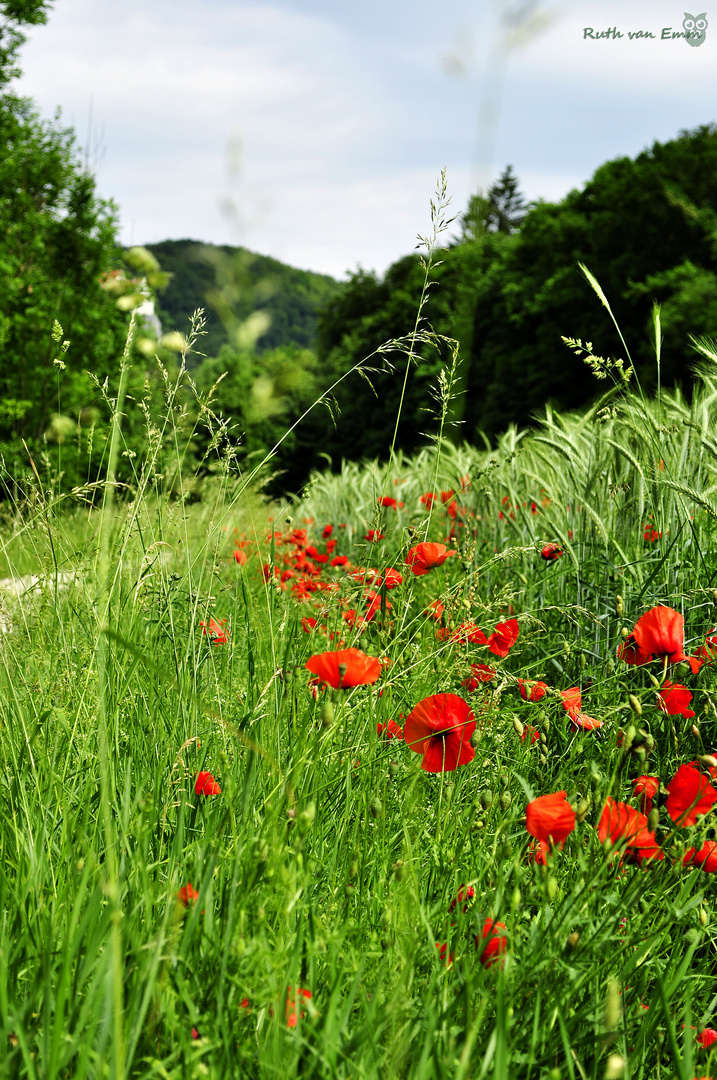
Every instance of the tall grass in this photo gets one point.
(329, 860)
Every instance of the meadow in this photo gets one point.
(409, 777)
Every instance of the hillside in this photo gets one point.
(231, 283)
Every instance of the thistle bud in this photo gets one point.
(517, 726)
(327, 714)
(653, 819)
(635, 704)
(619, 605)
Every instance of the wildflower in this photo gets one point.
(345, 668)
(387, 501)
(215, 631)
(705, 858)
(291, 1006)
(373, 535)
(675, 699)
(620, 822)
(550, 552)
(434, 610)
(187, 895)
(239, 556)
(529, 730)
(572, 700)
(479, 673)
(661, 631)
(550, 818)
(205, 784)
(446, 496)
(532, 691)
(390, 730)
(504, 637)
(341, 560)
(328, 529)
(646, 787)
(440, 728)
(309, 623)
(690, 795)
(195, 1033)
(630, 652)
(465, 633)
(444, 955)
(465, 893)
(428, 499)
(392, 579)
(708, 652)
(424, 557)
(496, 943)
(707, 1037)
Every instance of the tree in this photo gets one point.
(13, 14)
(501, 210)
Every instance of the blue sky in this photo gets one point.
(314, 131)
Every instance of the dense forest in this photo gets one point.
(506, 286)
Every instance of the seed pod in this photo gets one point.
(486, 799)
(517, 726)
(505, 800)
(635, 704)
(327, 714)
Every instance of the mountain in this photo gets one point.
(232, 283)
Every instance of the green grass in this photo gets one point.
(329, 860)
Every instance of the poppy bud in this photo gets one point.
(653, 819)
(628, 737)
(306, 818)
(583, 809)
(615, 1067)
(353, 869)
(486, 799)
(703, 916)
(582, 662)
(479, 823)
(349, 889)
(505, 800)
(695, 731)
(327, 714)
(625, 632)
(619, 605)
(654, 681)
(399, 869)
(475, 739)
(393, 767)
(573, 940)
(542, 759)
(504, 780)
(635, 704)
(375, 807)
(342, 668)
(517, 726)
(516, 898)
(649, 744)
(552, 887)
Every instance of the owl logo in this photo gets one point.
(695, 25)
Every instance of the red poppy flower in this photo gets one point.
(392, 579)
(291, 1005)
(675, 699)
(572, 700)
(465, 633)
(187, 894)
(239, 556)
(373, 535)
(424, 557)
(646, 787)
(630, 652)
(480, 673)
(434, 610)
(661, 631)
(428, 499)
(341, 560)
(386, 500)
(550, 818)
(446, 957)
(440, 728)
(706, 857)
(446, 496)
(620, 822)
(532, 691)
(707, 1037)
(309, 623)
(390, 730)
(465, 893)
(328, 529)
(551, 552)
(529, 730)
(690, 796)
(504, 637)
(496, 942)
(205, 784)
(708, 652)
(195, 1033)
(215, 631)
(344, 668)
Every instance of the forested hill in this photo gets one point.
(232, 283)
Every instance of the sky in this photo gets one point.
(316, 131)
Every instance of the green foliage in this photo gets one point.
(233, 284)
(13, 14)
